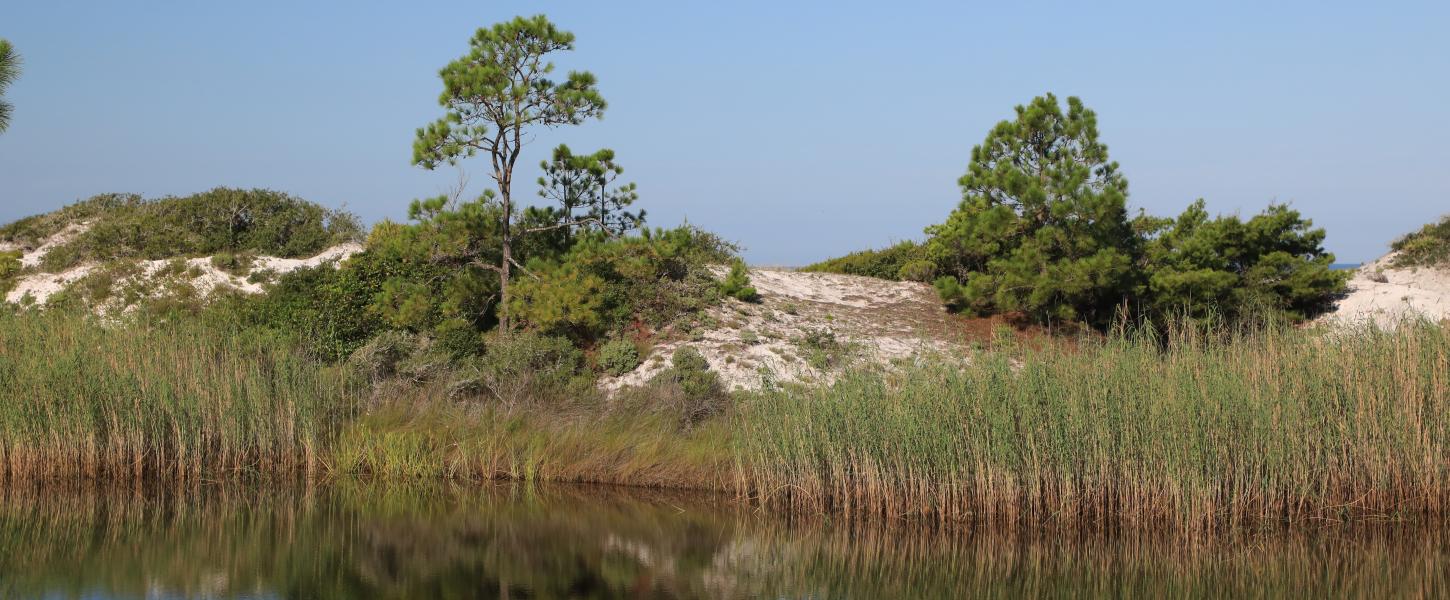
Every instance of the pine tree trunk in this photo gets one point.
(506, 261)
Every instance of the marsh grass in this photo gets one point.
(423, 435)
(1190, 430)
(177, 400)
(1196, 429)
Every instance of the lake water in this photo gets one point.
(356, 540)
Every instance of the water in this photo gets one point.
(355, 540)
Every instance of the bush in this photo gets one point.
(690, 388)
(1224, 267)
(9, 268)
(378, 359)
(737, 284)
(823, 350)
(238, 264)
(330, 309)
(559, 299)
(524, 368)
(603, 284)
(1430, 246)
(618, 357)
(917, 270)
(886, 263)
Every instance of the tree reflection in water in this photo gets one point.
(351, 539)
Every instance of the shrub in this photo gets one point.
(234, 263)
(886, 263)
(822, 349)
(917, 270)
(330, 309)
(524, 368)
(1225, 267)
(690, 388)
(737, 284)
(1430, 246)
(560, 299)
(618, 357)
(9, 268)
(378, 359)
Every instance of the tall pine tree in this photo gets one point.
(491, 97)
(1042, 227)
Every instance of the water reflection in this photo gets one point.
(358, 540)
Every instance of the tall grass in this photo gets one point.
(1190, 431)
(178, 400)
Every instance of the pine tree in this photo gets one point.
(1202, 267)
(580, 185)
(492, 96)
(9, 72)
(1042, 227)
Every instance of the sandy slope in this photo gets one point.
(1401, 293)
(872, 319)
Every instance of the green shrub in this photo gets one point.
(737, 284)
(9, 269)
(917, 270)
(690, 388)
(1273, 265)
(523, 368)
(1430, 246)
(378, 359)
(886, 263)
(618, 357)
(822, 349)
(330, 309)
(604, 284)
(234, 263)
(560, 299)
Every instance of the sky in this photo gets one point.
(800, 130)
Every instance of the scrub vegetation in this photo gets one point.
(220, 221)
(1428, 247)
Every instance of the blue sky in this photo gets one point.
(801, 130)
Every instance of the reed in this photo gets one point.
(1191, 430)
(174, 400)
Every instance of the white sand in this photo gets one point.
(749, 344)
(1423, 292)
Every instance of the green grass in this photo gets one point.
(1188, 432)
(178, 399)
(423, 435)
